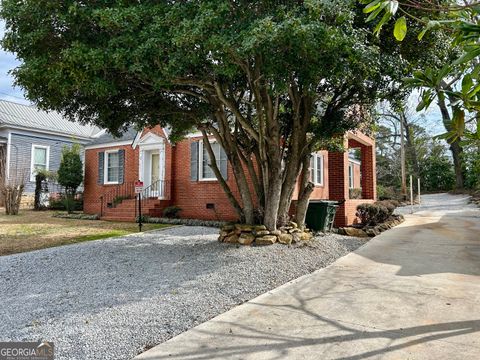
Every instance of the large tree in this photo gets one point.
(271, 81)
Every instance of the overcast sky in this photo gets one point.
(8, 62)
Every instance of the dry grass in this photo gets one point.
(33, 230)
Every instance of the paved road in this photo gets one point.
(410, 293)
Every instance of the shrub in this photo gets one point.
(70, 174)
(60, 203)
(171, 211)
(388, 204)
(376, 213)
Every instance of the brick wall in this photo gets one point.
(193, 196)
(93, 190)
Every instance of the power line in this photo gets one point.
(14, 96)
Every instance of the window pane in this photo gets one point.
(319, 170)
(312, 168)
(207, 172)
(40, 156)
(113, 159)
(350, 175)
(113, 167)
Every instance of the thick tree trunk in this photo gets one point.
(305, 190)
(457, 153)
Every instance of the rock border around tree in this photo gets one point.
(258, 235)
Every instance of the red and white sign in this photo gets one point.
(138, 187)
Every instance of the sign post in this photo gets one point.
(138, 191)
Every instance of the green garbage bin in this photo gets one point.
(321, 214)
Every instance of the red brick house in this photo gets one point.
(179, 175)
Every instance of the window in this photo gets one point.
(316, 169)
(205, 171)
(40, 159)
(112, 167)
(351, 180)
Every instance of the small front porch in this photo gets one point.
(342, 176)
(120, 203)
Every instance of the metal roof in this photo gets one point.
(30, 117)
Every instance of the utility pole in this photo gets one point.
(402, 159)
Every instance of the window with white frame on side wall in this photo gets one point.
(316, 169)
(200, 169)
(112, 167)
(205, 171)
(40, 159)
(351, 175)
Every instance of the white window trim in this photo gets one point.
(105, 167)
(200, 162)
(315, 168)
(32, 165)
(351, 179)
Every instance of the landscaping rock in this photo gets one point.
(233, 239)
(260, 227)
(243, 227)
(285, 239)
(293, 224)
(246, 239)
(351, 231)
(305, 236)
(296, 238)
(228, 227)
(276, 232)
(261, 233)
(266, 240)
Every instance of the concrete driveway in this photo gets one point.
(410, 293)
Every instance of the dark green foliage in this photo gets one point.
(60, 203)
(171, 211)
(472, 165)
(437, 172)
(376, 213)
(70, 174)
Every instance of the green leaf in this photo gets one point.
(372, 6)
(467, 56)
(467, 84)
(400, 29)
(382, 22)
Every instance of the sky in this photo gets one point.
(8, 61)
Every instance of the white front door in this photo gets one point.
(155, 174)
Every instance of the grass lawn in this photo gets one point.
(33, 230)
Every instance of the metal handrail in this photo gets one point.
(115, 196)
(155, 190)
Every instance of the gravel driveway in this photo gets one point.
(112, 299)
